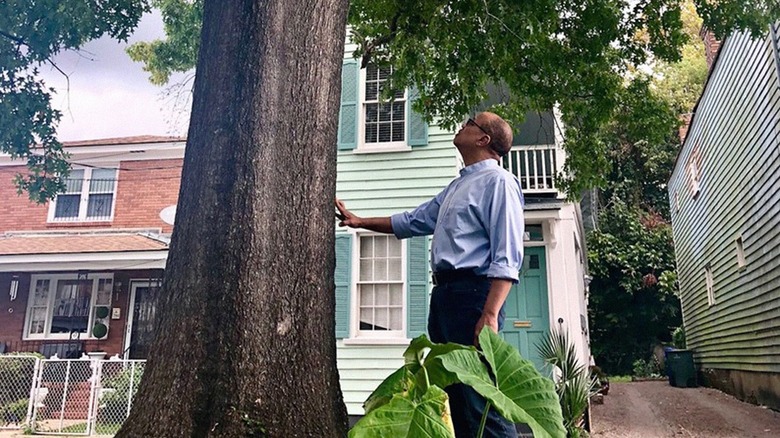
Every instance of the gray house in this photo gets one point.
(724, 195)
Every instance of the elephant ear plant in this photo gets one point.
(411, 402)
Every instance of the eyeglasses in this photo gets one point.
(471, 122)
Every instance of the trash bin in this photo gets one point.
(682, 373)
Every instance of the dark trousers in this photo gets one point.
(455, 309)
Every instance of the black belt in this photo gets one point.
(444, 277)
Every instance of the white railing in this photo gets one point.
(535, 166)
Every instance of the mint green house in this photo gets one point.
(390, 161)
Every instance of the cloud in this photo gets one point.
(106, 94)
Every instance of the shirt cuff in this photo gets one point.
(504, 272)
(400, 224)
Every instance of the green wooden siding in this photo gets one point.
(736, 129)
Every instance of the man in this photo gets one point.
(477, 225)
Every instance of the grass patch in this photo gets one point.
(100, 428)
(621, 379)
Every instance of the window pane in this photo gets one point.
(67, 206)
(366, 246)
(384, 133)
(396, 318)
(372, 110)
(37, 320)
(394, 269)
(398, 110)
(71, 306)
(398, 94)
(372, 91)
(41, 296)
(103, 297)
(380, 270)
(385, 112)
(371, 72)
(380, 246)
(99, 206)
(367, 319)
(366, 295)
(396, 295)
(366, 270)
(381, 319)
(102, 181)
(384, 72)
(372, 134)
(398, 131)
(382, 295)
(74, 181)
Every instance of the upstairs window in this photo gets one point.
(89, 196)
(383, 121)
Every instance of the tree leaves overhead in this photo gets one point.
(569, 53)
(31, 33)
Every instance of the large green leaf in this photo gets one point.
(424, 353)
(400, 382)
(404, 416)
(519, 392)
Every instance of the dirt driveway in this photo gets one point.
(658, 410)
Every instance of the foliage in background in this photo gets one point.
(574, 384)
(411, 402)
(678, 338)
(568, 53)
(630, 308)
(633, 303)
(31, 34)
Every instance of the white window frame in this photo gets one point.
(84, 198)
(391, 146)
(709, 282)
(355, 333)
(53, 280)
(741, 260)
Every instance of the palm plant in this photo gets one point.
(574, 384)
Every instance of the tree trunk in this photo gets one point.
(245, 343)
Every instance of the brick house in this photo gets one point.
(95, 255)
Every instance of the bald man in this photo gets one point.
(476, 254)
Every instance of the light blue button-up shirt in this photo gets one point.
(477, 223)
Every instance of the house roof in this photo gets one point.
(77, 243)
(140, 139)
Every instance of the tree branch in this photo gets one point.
(384, 39)
(13, 38)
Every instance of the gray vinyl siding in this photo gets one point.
(736, 129)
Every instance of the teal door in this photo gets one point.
(527, 316)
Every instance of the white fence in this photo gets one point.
(67, 396)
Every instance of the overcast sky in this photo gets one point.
(110, 95)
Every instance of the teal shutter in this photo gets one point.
(417, 286)
(343, 279)
(417, 129)
(348, 114)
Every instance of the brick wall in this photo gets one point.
(143, 189)
(12, 323)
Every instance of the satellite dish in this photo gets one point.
(167, 214)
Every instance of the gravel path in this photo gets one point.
(658, 410)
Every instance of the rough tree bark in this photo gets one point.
(245, 336)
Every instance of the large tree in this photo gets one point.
(246, 343)
(245, 337)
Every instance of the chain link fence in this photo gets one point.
(67, 397)
(17, 377)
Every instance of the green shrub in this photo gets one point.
(16, 375)
(14, 412)
(113, 404)
(678, 337)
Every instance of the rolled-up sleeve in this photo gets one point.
(419, 222)
(506, 226)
